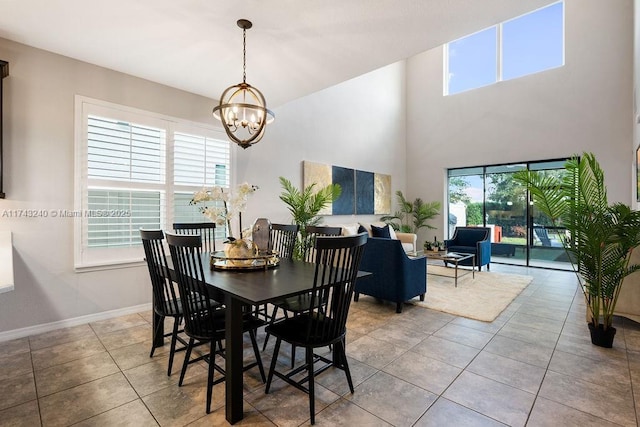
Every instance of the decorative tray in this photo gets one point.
(262, 261)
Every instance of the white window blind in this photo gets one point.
(200, 160)
(125, 151)
(135, 170)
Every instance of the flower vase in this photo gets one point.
(240, 252)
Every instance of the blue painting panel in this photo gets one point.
(364, 193)
(345, 204)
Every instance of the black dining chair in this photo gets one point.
(310, 234)
(206, 230)
(204, 322)
(282, 240)
(165, 298)
(301, 302)
(323, 322)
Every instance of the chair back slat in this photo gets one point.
(206, 230)
(283, 239)
(311, 232)
(165, 299)
(186, 254)
(337, 260)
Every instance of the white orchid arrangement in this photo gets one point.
(230, 204)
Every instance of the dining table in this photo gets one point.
(239, 288)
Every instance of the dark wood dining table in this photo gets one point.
(254, 287)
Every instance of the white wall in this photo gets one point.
(358, 124)
(38, 174)
(584, 106)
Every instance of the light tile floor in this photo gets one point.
(534, 365)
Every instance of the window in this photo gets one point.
(488, 196)
(138, 170)
(525, 45)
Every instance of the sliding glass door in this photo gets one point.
(487, 196)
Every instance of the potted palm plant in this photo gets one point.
(600, 240)
(305, 205)
(412, 216)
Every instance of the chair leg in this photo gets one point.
(272, 368)
(155, 334)
(186, 361)
(212, 362)
(421, 297)
(256, 352)
(293, 355)
(399, 307)
(356, 296)
(312, 397)
(345, 363)
(174, 338)
(273, 319)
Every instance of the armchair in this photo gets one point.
(396, 277)
(472, 240)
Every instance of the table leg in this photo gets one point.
(456, 274)
(233, 359)
(473, 269)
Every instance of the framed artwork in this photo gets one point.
(363, 193)
(638, 174)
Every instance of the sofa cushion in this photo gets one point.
(469, 237)
(380, 232)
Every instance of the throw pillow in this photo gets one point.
(349, 230)
(382, 232)
(361, 229)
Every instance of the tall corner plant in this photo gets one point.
(601, 237)
(412, 216)
(305, 206)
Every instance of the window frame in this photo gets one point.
(89, 259)
(500, 51)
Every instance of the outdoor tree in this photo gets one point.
(458, 190)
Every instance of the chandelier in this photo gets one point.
(242, 108)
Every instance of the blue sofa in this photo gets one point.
(472, 240)
(396, 277)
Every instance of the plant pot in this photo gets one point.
(602, 337)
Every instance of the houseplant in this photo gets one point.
(226, 205)
(412, 216)
(304, 206)
(601, 237)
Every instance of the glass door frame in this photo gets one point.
(534, 246)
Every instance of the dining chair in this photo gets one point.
(301, 302)
(322, 324)
(310, 234)
(165, 299)
(282, 240)
(204, 322)
(207, 231)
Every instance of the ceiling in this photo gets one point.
(296, 47)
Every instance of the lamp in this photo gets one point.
(242, 108)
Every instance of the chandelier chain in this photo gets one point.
(244, 56)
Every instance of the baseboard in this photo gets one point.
(75, 321)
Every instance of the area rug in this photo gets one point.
(482, 298)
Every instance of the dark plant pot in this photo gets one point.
(602, 337)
